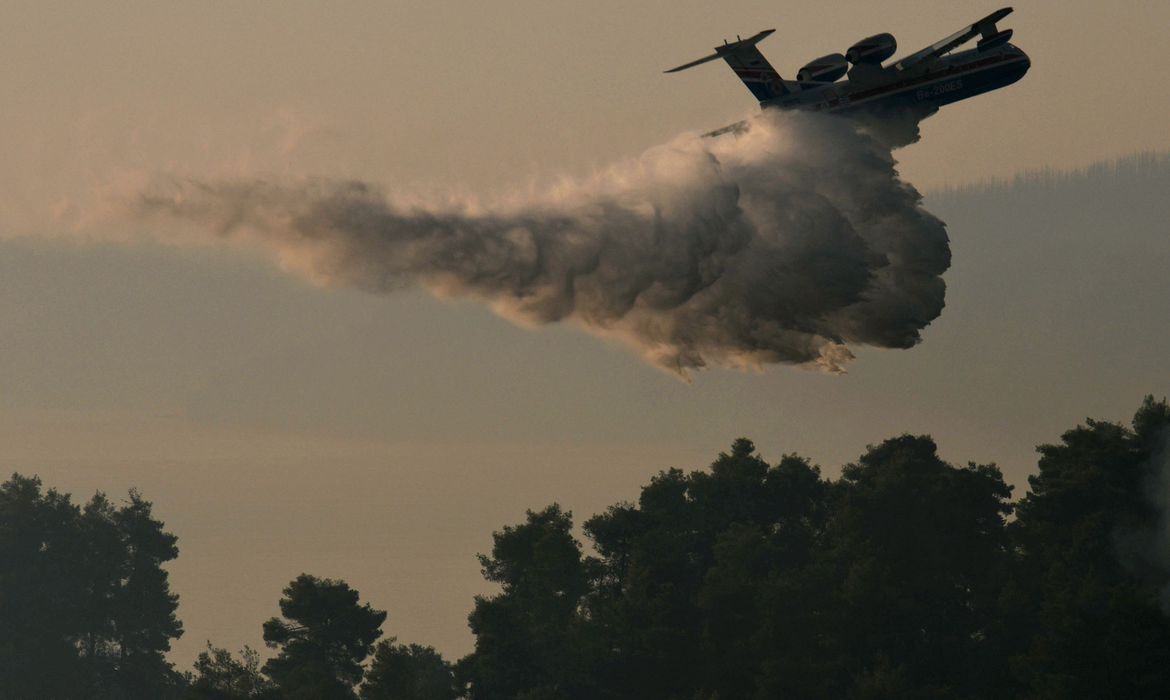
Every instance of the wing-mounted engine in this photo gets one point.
(825, 69)
(874, 49)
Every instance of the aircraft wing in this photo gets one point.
(985, 26)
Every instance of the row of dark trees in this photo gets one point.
(322, 638)
(85, 608)
(907, 577)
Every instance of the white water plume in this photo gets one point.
(785, 244)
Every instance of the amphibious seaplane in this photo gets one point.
(919, 83)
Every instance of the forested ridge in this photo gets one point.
(906, 577)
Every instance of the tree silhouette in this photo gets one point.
(1084, 603)
(901, 579)
(681, 594)
(39, 592)
(526, 637)
(408, 672)
(85, 605)
(919, 552)
(751, 580)
(220, 676)
(323, 639)
(143, 607)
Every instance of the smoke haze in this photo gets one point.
(784, 245)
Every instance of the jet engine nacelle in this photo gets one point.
(825, 69)
(875, 49)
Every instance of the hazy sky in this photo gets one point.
(282, 428)
(486, 96)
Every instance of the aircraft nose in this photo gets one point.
(1027, 59)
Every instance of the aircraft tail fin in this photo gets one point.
(749, 64)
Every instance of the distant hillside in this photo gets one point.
(1144, 170)
(1059, 289)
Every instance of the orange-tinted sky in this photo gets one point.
(442, 95)
(281, 428)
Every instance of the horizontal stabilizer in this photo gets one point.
(749, 65)
(726, 49)
(694, 63)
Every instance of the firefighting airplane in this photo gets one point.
(919, 83)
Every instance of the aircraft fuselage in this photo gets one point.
(925, 88)
(919, 83)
